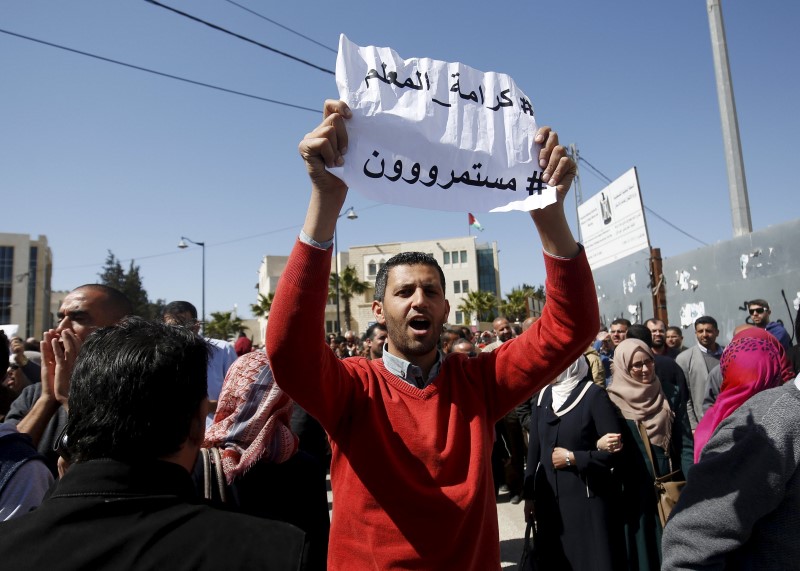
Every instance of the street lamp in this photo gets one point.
(183, 245)
(351, 215)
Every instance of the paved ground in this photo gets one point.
(511, 522)
(512, 531)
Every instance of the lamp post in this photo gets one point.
(351, 215)
(183, 245)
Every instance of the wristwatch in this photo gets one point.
(567, 457)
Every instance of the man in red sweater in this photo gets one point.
(411, 434)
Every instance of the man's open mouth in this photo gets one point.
(420, 324)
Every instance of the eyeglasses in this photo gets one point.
(757, 310)
(641, 365)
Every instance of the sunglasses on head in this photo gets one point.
(757, 310)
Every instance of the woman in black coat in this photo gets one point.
(570, 489)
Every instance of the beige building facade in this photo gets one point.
(26, 268)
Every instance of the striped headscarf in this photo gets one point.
(252, 422)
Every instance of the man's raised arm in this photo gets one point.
(307, 371)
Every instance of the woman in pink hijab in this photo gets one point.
(753, 361)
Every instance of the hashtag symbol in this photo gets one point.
(535, 184)
(526, 106)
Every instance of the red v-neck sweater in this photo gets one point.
(411, 470)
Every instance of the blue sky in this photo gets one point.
(100, 157)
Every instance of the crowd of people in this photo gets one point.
(133, 444)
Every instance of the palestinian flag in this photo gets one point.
(473, 222)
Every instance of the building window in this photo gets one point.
(459, 317)
(372, 268)
(6, 281)
(447, 258)
(456, 286)
(331, 327)
(32, 267)
(487, 277)
(464, 286)
(463, 256)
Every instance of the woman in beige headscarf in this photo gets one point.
(657, 408)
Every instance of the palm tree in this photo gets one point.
(223, 325)
(349, 286)
(480, 303)
(515, 306)
(263, 306)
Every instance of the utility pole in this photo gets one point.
(737, 184)
(657, 287)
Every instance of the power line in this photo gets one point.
(287, 28)
(224, 243)
(650, 210)
(241, 37)
(160, 73)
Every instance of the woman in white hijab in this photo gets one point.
(569, 487)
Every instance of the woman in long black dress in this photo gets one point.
(570, 489)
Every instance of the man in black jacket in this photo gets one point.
(137, 408)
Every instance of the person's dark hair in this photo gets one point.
(676, 329)
(640, 332)
(762, 302)
(449, 336)
(370, 334)
(706, 320)
(5, 357)
(655, 320)
(178, 307)
(461, 340)
(404, 259)
(117, 303)
(621, 321)
(135, 391)
(797, 326)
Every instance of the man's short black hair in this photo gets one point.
(370, 334)
(706, 320)
(640, 332)
(117, 303)
(135, 391)
(762, 302)
(179, 307)
(621, 321)
(405, 259)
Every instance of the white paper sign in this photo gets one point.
(437, 135)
